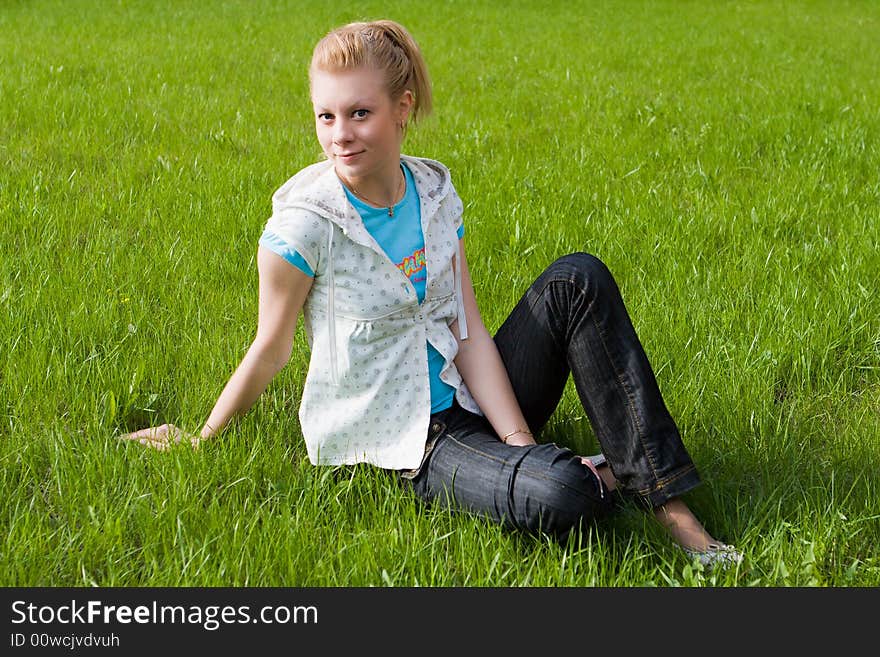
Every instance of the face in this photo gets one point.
(358, 123)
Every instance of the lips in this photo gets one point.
(347, 157)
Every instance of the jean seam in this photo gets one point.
(474, 450)
(630, 403)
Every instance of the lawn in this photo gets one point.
(722, 158)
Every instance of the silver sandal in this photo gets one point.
(716, 555)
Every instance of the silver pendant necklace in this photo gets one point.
(364, 198)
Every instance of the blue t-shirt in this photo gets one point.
(402, 240)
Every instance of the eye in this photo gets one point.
(325, 117)
(360, 113)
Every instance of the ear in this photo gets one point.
(405, 105)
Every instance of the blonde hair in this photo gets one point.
(384, 45)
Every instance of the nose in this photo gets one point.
(341, 131)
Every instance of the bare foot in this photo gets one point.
(683, 525)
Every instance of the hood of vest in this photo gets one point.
(317, 188)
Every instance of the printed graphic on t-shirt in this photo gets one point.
(414, 266)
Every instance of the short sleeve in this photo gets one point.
(298, 236)
(278, 246)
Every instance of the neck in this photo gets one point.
(381, 189)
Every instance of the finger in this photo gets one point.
(132, 436)
(154, 444)
(149, 432)
(145, 437)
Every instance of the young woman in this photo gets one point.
(369, 246)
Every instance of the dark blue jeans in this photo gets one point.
(572, 320)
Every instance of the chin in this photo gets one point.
(351, 171)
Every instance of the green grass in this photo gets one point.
(721, 158)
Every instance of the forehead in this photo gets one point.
(347, 87)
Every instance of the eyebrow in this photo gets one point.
(355, 105)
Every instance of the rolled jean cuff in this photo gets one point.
(685, 479)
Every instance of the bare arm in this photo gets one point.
(480, 365)
(283, 290)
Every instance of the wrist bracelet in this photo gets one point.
(513, 433)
